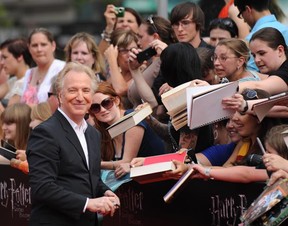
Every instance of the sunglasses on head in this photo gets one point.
(50, 94)
(250, 94)
(106, 103)
(151, 22)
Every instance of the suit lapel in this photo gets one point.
(71, 135)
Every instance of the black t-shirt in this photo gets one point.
(282, 72)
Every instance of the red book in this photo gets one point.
(165, 158)
(154, 167)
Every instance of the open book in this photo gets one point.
(266, 209)
(154, 166)
(178, 100)
(175, 99)
(129, 120)
(204, 104)
(263, 106)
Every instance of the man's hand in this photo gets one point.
(104, 205)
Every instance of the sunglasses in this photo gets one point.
(50, 94)
(106, 103)
(250, 94)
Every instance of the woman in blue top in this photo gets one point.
(139, 141)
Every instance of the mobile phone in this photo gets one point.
(146, 54)
(120, 11)
(8, 146)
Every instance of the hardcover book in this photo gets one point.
(206, 107)
(129, 120)
(180, 100)
(270, 208)
(154, 167)
(180, 184)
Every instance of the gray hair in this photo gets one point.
(74, 66)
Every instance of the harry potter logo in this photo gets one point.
(15, 196)
(227, 210)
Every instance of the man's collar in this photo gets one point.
(74, 125)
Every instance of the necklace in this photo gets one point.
(39, 77)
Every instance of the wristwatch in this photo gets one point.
(207, 173)
(106, 36)
(245, 108)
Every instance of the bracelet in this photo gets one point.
(207, 173)
(106, 36)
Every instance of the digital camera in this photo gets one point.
(120, 11)
(146, 54)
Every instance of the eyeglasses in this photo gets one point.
(50, 94)
(250, 94)
(184, 24)
(106, 103)
(151, 22)
(125, 51)
(222, 59)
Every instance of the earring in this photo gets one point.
(215, 134)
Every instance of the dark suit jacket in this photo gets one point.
(59, 177)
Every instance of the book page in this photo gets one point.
(176, 97)
(129, 120)
(125, 117)
(263, 106)
(180, 124)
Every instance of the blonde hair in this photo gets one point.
(98, 66)
(238, 47)
(123, 38)
(41, 111)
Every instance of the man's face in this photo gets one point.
(217, 35)
(185, 29)
(76, 95)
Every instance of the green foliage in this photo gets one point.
(5, 21)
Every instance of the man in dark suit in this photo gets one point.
(64, 158)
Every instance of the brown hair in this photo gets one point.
(162, 27)
(18, 113)
(275, 138)
(43, 31)
(107, 149)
